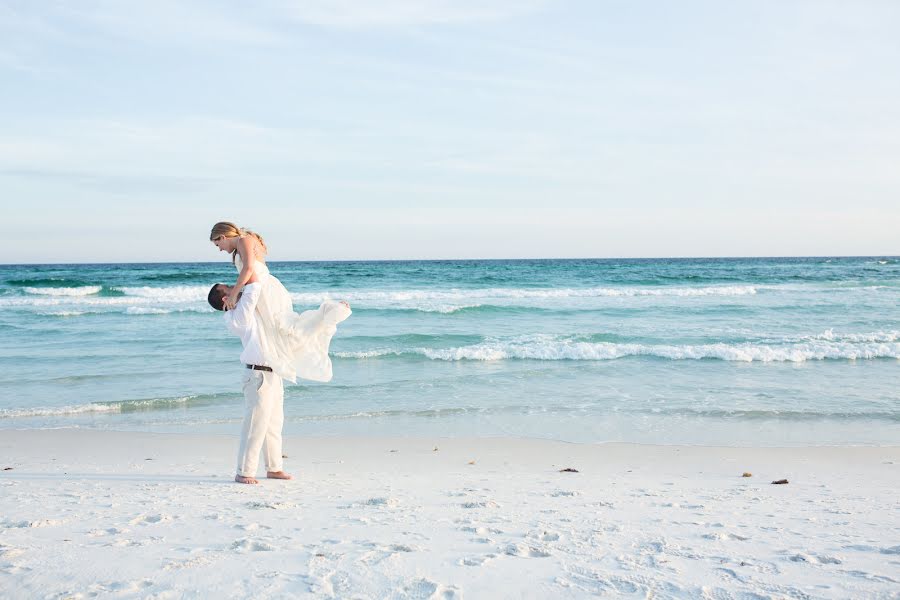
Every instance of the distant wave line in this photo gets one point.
(442, 301)
(738, 413)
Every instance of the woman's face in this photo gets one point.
(223, 243)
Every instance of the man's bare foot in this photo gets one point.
(242, 479)
(278, 475)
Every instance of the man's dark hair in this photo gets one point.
(216, 297)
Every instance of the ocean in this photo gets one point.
(749, 352)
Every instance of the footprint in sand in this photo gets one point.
(563, 494)
(337, 584)
(8, 552)
(150, 519)
(476, 561)
(543, 535)
(34, 524)
(381, 502)
(480, 504)
(815, 559)
(271, 505)
(423, 589)
(685, 506)
(103, 532)
(526, 551)
(482, 531)
(708, 593)
(248, 545)
(14, 569)
(251, 526)
(602, 584)
(380, 553)
(730, 575)
(721, 535)
(123, 587)
(190, 563)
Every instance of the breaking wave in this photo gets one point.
(847, 347)
(86, 290)
(123, 406)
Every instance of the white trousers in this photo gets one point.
(263, 420)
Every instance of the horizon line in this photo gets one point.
(401, 260)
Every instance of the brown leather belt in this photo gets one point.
(260, 368)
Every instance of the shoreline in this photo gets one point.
(157, 515)
(426, 439)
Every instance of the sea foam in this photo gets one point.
(178, 293)
(97, 407)
(550, 348)
(85, 290)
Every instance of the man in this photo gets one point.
(263, 389)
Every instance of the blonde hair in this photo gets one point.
(229, 230)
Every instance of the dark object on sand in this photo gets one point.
(780, 482)
(284, 456)
(568, 470)
(7, 468)
(747, 474)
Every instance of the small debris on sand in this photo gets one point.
(435, 449)
(747, 474)
(393, 451)
(780, 482)
(471, 462)
(7, 468)
(568, 470)
(284, 456)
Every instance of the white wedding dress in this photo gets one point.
(294, 344)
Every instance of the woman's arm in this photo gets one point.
(247, 275)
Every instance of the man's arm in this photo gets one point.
(242, 314)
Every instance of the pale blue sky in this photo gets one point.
(449, 129)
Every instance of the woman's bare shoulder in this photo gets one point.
(251, 248)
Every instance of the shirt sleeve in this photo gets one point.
(241, 317)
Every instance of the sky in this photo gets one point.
(426, 129)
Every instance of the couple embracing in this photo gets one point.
(278, 344)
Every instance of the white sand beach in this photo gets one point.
(139, 515)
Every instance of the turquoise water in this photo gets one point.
(696, 351)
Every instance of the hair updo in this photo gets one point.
(229, 230)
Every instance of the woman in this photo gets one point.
(294, 344)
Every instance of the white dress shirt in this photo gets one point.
(242, 321)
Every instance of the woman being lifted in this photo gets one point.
(247, 249)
